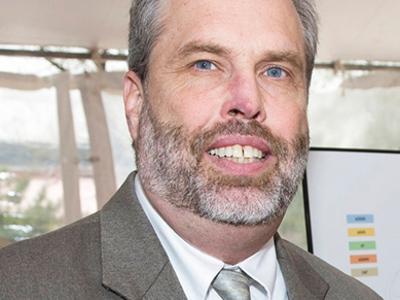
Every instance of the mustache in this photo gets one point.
(202, 139)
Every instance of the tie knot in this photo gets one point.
(232, 284)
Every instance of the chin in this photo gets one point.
(241, 206)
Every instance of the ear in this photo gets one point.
(133, 101)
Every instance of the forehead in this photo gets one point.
(240, 23)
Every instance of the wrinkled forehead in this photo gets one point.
(251, 26)
(249, 21)
(182, 12)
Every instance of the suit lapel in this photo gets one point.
(135, 266)
(134, 263)
(302, 281)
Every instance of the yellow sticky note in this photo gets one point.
(361, 231)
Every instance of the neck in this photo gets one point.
(216, 239)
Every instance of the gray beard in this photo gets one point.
(171, 165)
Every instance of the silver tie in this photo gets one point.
(232, 284)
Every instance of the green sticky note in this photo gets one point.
(363, 245)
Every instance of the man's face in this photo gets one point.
(223, 129)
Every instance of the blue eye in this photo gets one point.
(276, 72)
(204, 65)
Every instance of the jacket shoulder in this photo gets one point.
(341, 285)
(52, 261)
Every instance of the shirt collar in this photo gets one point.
(262, 266)
(184, 257)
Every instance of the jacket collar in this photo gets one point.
(302, 281)
(134, 264)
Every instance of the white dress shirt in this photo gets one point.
(196, 270)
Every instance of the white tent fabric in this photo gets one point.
(359, 30)
(90, 86)
(376, 79)
(350, 30)
(93, 24)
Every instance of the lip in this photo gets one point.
(230, 167)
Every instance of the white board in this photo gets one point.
(353, 202)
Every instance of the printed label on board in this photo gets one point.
(362, 259)
(351, 219)
(363, 245)
(364, 272)
(361, 231)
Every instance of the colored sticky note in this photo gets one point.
(363, 259)
(362, 245)
(361, 231)
(365, 272)
(354, 219)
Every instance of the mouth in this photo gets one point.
(240, 155)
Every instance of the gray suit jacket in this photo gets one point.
(115, 254)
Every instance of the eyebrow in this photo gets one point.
(289, 56)
(285, 56)
(196, 46)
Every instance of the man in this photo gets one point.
(216, 100)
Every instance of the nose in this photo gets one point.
(244, 100)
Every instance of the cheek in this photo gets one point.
(288, 121)
(199, 111)
(187, 106)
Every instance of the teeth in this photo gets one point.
(248, 152)
(238, 153)
(229, 151)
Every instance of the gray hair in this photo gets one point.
(146, 25)
(309, 20)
